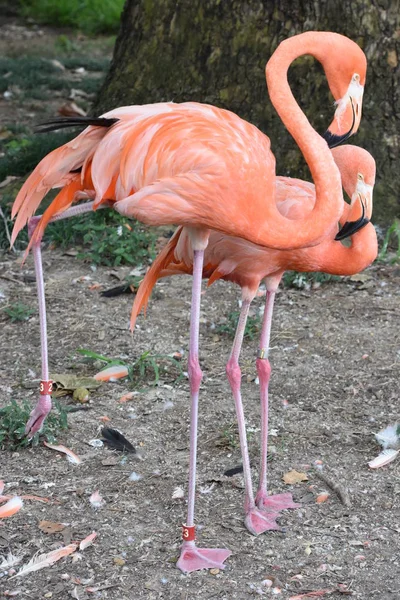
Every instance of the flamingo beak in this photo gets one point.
(347, 115)
(360, 211)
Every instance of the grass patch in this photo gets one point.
(89, 16)
(23, 152)
(106, 238)
(147, 368)
(304, 281)
(13, 418)
(228, 328)
(18, 312)
(391, 240)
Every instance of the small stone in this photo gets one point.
(214, 571)
(119, 561)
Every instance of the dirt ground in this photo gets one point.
(335, 358)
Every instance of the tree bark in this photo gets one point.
(215, 51)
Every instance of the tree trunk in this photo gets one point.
(215, 51)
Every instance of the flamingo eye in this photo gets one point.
(356, 78)
(360, 177)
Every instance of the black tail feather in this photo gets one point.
(63, 122)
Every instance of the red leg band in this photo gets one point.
(188, 533)
(46, 388)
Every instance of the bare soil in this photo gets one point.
(335, 358)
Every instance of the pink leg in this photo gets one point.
(256, 521)
(43, 407)
(279, 501)
(193, 558)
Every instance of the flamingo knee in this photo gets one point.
(234, 373)
(195, 374)
(263, 370)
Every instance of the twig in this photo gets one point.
(3, 216)
(340, 491)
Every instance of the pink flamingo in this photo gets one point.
(246, 264)
(202, 167)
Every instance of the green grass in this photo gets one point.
(89, 16)
(104, 238)
(147, 368)
(35, 78)
(23, 152)
(18, 312)
(391, 240)
(13, 418)
(228, 328)
(301, 281)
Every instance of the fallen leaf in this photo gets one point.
(65, 384)
(294, 477)
(50, 527)
(178, 493)
(9, 179)
(71, 109)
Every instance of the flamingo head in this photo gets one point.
(346, 79)
(357, 169)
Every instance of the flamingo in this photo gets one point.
(246, 264)
(205, 168)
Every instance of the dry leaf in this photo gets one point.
(50, 527)
(294, 477)
(65, 384)
(178, 493)
(9, 179)
(71, 109)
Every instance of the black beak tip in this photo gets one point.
(350, 228)
(334, 140)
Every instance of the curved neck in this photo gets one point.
(336, 259)
(329, 198)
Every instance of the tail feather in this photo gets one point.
(53, 171)
(63, 122)
(158, 269)
(61, 202)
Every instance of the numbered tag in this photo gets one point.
(188, 533)
(46, 388)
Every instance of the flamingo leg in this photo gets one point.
(43, 407)
(256, 520)
(193, 558)
(277, 502)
